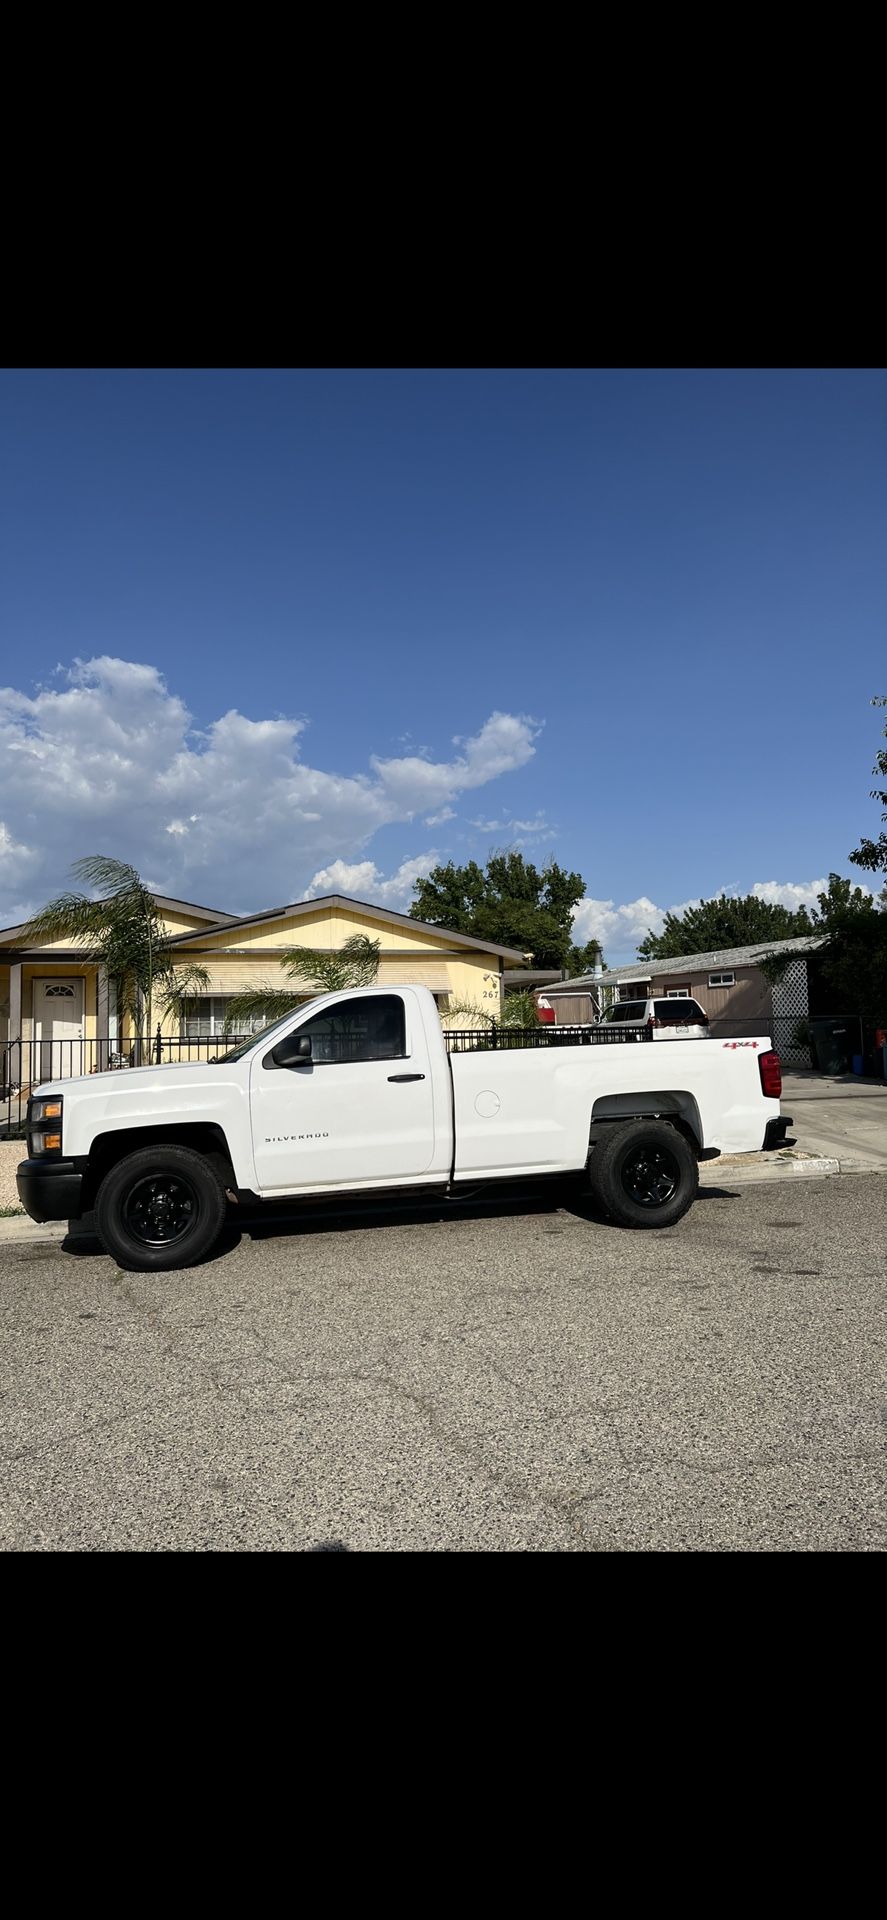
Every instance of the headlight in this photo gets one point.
(44, 1126)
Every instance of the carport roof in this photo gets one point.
(695, 962)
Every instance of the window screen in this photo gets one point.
(204, 1017)
(372, 1029)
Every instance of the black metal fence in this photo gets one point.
(833, 1045)
(490, 1039)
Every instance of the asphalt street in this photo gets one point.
(513, 1378)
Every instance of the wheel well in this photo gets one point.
(201, 1136)
(678, 1108)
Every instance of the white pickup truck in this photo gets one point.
(362, 1090)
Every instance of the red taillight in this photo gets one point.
(547, 1016)
(651, 1022)
(771, 1075)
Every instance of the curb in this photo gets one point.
(732, 1172)
(21, 1228)
(744, 1169)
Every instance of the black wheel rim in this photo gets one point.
(650, 1175)
(161, 1209)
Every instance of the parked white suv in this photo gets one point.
(668, 1019)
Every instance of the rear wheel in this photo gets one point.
(160, 1208)
(644, 1173)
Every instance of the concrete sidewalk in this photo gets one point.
(841, 1118)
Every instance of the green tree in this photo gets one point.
(118, 927)
(511, 903)
(724, 922)
(873, 853)
(355, 964)
(854, 963)
(842, 905)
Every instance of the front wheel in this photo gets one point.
(160, 1208)
(644, 1173)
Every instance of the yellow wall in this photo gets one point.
(237, 959)
(174, 923)
(466, 978)
(328, 930)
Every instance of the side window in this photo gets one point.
(371, 1029)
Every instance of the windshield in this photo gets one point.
(255, 1040)
(679, 1013)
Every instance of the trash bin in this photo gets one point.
(831, 1043)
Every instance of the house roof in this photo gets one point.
(202, 913)
(160, 900)
(695, 962)
(298, 909)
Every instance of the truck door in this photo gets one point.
(360, 1110)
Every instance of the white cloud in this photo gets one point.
(437, 819)
(620, 929)
(364, 881)
(788, 893)
(532, 829)
(504, 743)
(104, 760)
(16, 864)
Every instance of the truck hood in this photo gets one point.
(121, 1079)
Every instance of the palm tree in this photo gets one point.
(517, 1010)
(120, 929)
(356, 964)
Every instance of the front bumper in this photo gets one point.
(775, 1132)
(50, 1189)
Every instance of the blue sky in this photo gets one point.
(668, 585)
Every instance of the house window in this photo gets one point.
(722, 979)
(204, 1017)
(677, 993)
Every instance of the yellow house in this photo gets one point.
(58, 1018)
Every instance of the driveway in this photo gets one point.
(843, 1118)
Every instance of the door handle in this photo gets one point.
(398, 1078)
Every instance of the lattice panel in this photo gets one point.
(790, 1005)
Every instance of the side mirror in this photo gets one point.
(293, 1051)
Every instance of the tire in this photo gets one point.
(159, 1209)
(644, 1173)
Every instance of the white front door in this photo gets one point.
(360, 1112)
(58, 1028)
